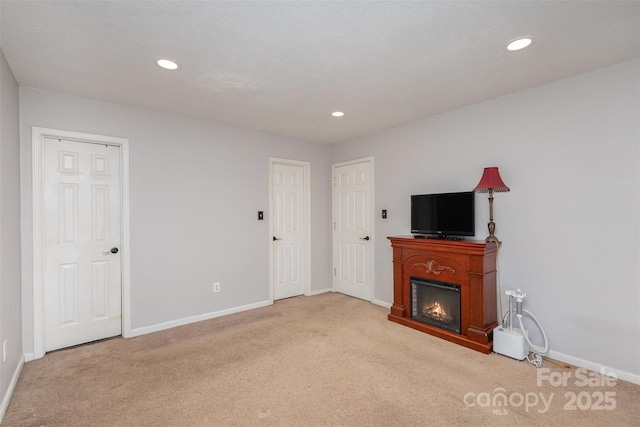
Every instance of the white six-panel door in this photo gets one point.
(82, 220)
(289, 263)
(353, 229)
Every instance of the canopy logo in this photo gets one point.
(586, 400)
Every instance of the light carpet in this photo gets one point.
(324, 360)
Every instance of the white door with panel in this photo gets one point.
(352, 225)
(289, 263)
(82, 221)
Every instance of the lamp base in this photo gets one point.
(492, 239)
(492, 227)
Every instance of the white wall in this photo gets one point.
(569, 151)
(10, 280)
(195, 191)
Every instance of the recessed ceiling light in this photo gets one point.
(337, 114)
(519, 43)
(169, 65)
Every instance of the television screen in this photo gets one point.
(445, 214)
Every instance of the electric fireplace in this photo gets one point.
(446, 288)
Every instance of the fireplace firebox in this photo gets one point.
(436, 303)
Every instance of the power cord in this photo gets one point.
(535, 359)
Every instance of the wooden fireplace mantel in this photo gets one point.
(469, 264)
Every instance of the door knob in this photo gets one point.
(364, 238)
(111, 251)
(276, 238)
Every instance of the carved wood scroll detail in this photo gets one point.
(434, 267)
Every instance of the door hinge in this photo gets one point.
(335, 273)
(334, 180)
(334, 225)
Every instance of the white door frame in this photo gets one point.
(37, 175)
(372, 220)
(306, 246)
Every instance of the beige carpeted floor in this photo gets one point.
(325, 360)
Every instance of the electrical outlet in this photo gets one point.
(4, 351)
(216, 287)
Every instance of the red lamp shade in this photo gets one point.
(491, 181)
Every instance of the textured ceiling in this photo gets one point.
(283, 67)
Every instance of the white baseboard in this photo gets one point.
(28, 357)
(193, 319)
(381, 303)
(593, 366)
(320, 291)
(7, 396)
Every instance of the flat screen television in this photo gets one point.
(443, 215)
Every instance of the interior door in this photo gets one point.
(82, 220)
(288, 227)
(353, 229)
